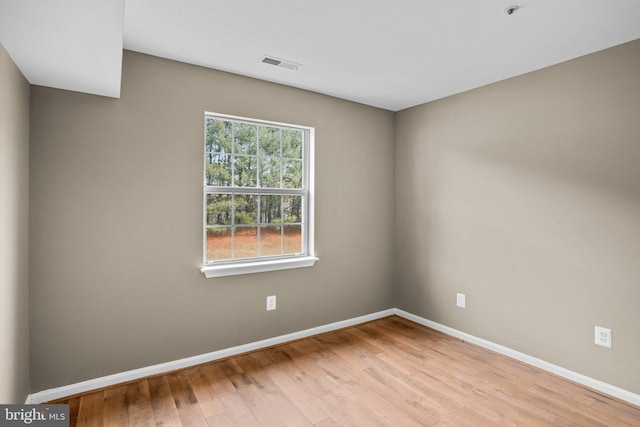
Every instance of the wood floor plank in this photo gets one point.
(204, 392)
(327, 422)
(217, 378)
(91, 410)
(290, 414)
(374, 387)
(250, 393)
(387, 372)
(304, 400)
(189, 409)
(405, 393)
(74, 407)
(139, 406)
(619, 412)
(347, 409)
(261, 358)
(301, 369)
(473, 418)
(457, 386)
(353, 382)
(164, 408)
(221, 420)
(473, 396)
(237, 410)
(115, 407)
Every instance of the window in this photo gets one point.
(258, 189)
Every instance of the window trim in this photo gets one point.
(279, 262)
(232, 269)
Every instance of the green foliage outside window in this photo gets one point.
(253, 156)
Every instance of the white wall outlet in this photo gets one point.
(271, 302)
(461, 300)
(603, 336)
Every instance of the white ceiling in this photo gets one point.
(386, 54)
(66, 44)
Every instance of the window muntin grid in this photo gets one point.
(256, 190)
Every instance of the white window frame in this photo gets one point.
(261, 264)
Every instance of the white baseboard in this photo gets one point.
(598, 385)
(109, 380)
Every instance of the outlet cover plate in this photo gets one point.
(271, 302)
(603, 336)
(461, 300)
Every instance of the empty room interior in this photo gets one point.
(469, 192)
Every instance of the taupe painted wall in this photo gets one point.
(14, 232)
(525, 196)
(116, 217)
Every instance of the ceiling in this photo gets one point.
(66, 44)
(391, 55)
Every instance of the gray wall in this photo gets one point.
(525, 196)
(116, 218)
(14, 232)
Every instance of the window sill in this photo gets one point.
(257, 267)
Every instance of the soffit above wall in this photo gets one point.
(66, 44)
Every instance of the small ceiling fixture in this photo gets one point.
(278, 62)
(511, 9)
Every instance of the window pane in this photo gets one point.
(245, 242)
(218, 169)
(218, 243)
(270, 172)
(270, 209)
(218, 138)
(292, 143)
(245, 171)
(218, 209)
(269, 138)
(246, 138)
(270, 241)
(251, 168)
(292, 174)
(246, 208)
(292, 209)
(292, 239)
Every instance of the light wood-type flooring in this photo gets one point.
(387, 372)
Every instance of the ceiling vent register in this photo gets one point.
(282, 63)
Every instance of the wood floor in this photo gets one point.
(387, 372)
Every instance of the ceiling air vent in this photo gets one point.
(282, 63)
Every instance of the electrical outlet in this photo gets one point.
(271, 302)
(461, 300)
(603, 336)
